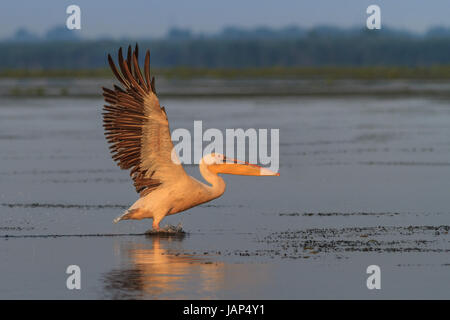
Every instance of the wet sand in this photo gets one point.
(364, 180)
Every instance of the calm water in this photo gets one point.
(363, 181)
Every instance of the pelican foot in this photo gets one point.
(167, 230)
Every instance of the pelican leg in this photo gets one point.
(156, 222)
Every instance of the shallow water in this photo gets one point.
(363, 181)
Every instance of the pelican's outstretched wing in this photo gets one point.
(137, 127)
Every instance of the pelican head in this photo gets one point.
(218, 163)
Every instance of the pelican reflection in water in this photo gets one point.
(158, 267)
(151, 270)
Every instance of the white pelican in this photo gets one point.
(138, 131)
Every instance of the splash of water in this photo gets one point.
(168, 230)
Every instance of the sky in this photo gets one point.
(149, 18)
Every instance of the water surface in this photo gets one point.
(364, 180)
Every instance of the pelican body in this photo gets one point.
(137, 128)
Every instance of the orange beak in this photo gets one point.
(238, 167)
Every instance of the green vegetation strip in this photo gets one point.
(331, 73)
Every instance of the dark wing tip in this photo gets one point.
(147, 70)
(129, 57)
(112, 65)
(153, 85)
(137, 72)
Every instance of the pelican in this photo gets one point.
(137, 129)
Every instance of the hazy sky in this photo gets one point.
(151, 18)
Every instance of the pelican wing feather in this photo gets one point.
(137, 127)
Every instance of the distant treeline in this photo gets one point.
(437, 72)
(321, 47)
